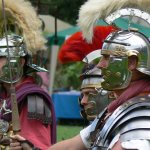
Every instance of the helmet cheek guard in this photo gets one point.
(116, 74)
(96, 103)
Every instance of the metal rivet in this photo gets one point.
(108, 73)
(142, 99)
(118, 74)
(107, 85)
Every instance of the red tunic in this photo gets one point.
(35, 131)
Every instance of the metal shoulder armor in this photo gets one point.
(38, 109)
(131, 120)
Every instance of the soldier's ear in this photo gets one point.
(132, 62)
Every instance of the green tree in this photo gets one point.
(66, 10)
(68, 75)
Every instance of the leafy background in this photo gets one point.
(67, 76)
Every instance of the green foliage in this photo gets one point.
(67, 76)
(67, 10)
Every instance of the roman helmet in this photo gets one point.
(20, 36)
(133, 20)
(119, 46)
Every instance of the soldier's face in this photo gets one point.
(86, 92)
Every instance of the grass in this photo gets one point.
(68, 129)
